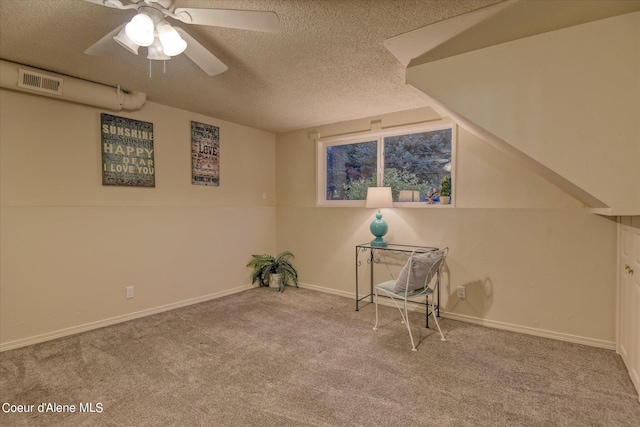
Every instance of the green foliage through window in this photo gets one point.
(414, 164)
(349, 163)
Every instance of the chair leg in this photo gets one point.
(375, 327)
(403, 314)
(406, 322)
(442, 338)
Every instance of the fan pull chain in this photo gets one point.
(164, 67)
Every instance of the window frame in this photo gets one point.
(379, 135)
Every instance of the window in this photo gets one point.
(412, 161)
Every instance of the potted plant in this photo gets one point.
(274, 272)
(445, 190)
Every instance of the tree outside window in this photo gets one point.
(347, 164)
(412, 164)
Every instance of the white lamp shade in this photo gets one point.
(172, 43)
(140, 30)
(126, 42)
(155, 51)
(379, 197)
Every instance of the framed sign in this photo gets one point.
(127, 152)
(205, 154)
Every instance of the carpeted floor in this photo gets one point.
(304, 358)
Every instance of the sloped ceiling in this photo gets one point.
(546, 97)
(500, 23)
(327, 65)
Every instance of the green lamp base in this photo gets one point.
(379, 242)
(379, 228)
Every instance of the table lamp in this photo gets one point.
(379, 197)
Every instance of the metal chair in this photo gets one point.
(420, 277)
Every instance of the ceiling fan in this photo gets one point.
(149, 29)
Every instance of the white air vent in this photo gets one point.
(39, 82)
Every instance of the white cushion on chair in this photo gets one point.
(420, 265)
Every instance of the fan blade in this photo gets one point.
(201, 56)
(116, 4)
(100, 2)
(105, 46)
(241, 19)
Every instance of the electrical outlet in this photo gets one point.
(129, 291)
(462, 292)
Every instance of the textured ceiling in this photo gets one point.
(327, 65)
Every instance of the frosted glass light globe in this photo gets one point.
(140, 30)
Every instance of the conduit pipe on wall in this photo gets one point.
(70, 89)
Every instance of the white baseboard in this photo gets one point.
(609, 345)
(114, 320)
(327, 290)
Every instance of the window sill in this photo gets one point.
(396, 205)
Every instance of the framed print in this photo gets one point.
(127, 152)
(205, 154)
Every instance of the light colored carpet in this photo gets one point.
(304, 358)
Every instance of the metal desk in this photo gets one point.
(373, 258)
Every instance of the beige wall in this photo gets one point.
(532, 257)
(569, 99)
(69, 246)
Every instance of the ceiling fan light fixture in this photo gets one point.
(172, 43)
(155, 51)
(123, 40)
(149, 28)
(140, 30)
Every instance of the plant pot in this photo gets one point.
(274, 280)
(445, 200)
